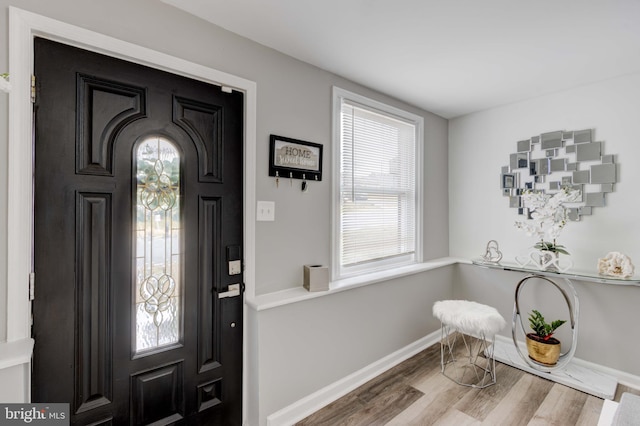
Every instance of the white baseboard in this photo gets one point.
(624, 378)
(312, 403)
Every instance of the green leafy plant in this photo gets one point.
(552, 247)
(540, 327)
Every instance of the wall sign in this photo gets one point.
(294, 159)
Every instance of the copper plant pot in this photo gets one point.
(543, 351)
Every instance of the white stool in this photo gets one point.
(476, 325)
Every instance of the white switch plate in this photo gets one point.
(266, 211)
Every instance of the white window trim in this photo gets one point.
(338, 94)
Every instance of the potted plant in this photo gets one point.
(541, 346)
(549, 252)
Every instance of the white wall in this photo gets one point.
(18, 377)
(480, 144)
(294, 99)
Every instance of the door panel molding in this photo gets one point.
(210, 216)
(193, 117)
(209, 394)
(94, 144)
(94, 358)
(163, 383)
(23, 27)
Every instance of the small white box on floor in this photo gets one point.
(316, 277)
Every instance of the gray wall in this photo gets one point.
(306, 346)
(350, 329)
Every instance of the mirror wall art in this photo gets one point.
(553, 160)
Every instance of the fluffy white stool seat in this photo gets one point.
(469, 317)
(473, 365)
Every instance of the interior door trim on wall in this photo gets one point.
(23, 28)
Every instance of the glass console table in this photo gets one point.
(572, 373)
(572, 275)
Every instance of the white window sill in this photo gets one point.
(299, 294)
(15, 353)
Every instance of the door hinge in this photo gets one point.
(32, 285)
(33, 89)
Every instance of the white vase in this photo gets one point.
(548, 260)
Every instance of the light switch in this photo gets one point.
(266, 211)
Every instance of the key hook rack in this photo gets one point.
(295, 159)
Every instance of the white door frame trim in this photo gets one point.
(23, 27)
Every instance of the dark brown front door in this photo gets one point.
(138, 233)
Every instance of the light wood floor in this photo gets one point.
(416, 393)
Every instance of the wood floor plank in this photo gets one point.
(398, 374)
(562, 406)
(521, 403)
(419, 377)
(457, 418)
(590, 411)
(384, 407)
(407, 416)
(444, 395)
(429, 364)
(415, 393)
(478, 404)
(436, 383)
(335, 412)
(422, 364)
(431, 387)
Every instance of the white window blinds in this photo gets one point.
(377, 211)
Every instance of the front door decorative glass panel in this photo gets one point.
(158, 309)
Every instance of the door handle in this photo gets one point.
(234, 290)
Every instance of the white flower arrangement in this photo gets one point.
(5, 86)
(549, 216)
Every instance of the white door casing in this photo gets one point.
(23, 27)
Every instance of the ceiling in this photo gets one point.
(450, 57)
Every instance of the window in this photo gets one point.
(157, 261)
(377, 181)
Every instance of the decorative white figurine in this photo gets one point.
(616, 264)
(492, 253)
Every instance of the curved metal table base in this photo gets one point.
(574, 310)
(576, 374)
